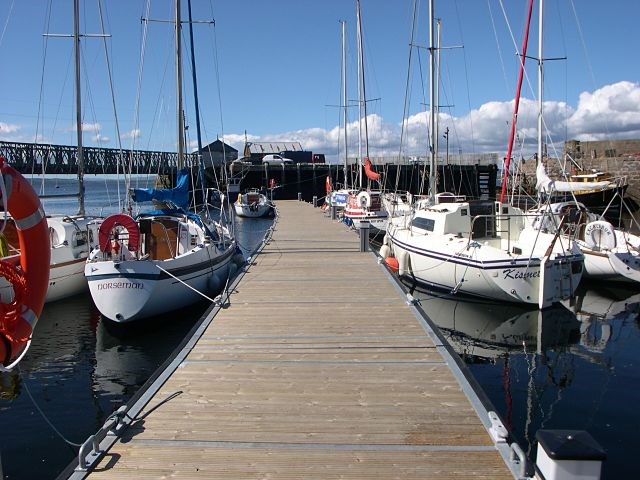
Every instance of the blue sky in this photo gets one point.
(278, 65)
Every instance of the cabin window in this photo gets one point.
(423, 223)
(80, 239)
(463, 212)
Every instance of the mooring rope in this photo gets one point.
(26, 388)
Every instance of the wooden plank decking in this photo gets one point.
(318, 369)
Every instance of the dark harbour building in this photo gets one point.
(218, 153)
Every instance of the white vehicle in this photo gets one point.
(274, 159)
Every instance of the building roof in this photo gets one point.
(271, 147)
(217, 146)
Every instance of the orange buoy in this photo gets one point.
(392, 263)
(122, 220)
(28, 273)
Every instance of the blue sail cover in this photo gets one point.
(177, 196)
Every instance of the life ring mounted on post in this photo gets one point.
(119, 220)
(28, 273)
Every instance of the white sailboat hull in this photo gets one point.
(66, 280)
(72, 238)
(610, 254)
(376, 222)
(481, 270)
(612, 266)
(124, 291)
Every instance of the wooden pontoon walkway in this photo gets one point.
(319, 368)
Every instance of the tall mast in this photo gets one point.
(195, 93)
(179, 112)
(344, 97)
(76, 43)
(364, 90)
(540, 60)
(360, 68)
(436, 88)
(514, 119)
(432, 122)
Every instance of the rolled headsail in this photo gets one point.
(545, 184)
(371, 175)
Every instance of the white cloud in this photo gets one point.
(99, 138)
(608, 112)
(132, 134)
(87, 127)
(6, 128)
(612, 111)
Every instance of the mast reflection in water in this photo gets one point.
(566, 367)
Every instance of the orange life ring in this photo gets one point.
(122, 220)
(30, 279)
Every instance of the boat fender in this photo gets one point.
(384, 251)
(403, 263)
(119, 220)
(364, 199)
(392, 263)
(30, 279)
(600, 235)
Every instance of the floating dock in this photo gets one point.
(316, 366)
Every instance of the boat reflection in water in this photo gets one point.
(598, 312)
(480, 331)
(80, 369)
(566, 367)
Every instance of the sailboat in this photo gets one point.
(479, 247)
(365, 205)
(72, 237)
(610, 253)
(339, 197)
(163, 259)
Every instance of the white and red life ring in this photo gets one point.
(28, 272)
(118, 220)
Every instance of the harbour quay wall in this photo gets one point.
(309, 180)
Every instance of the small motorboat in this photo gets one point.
(253, 204)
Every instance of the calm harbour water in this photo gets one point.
(573, 367)
(80, 368)
(568, 367)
